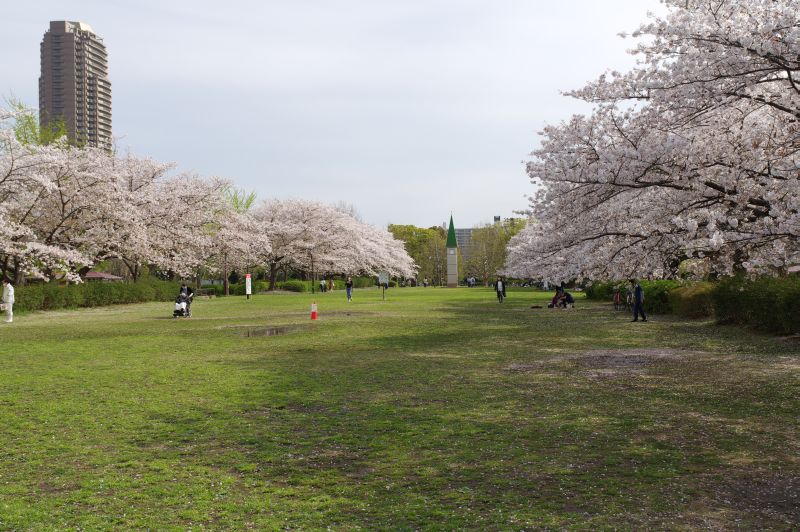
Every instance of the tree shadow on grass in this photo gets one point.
(420, 423)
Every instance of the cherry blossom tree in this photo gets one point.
(692, 154)
(23, 187)
(65, 208)
(237, 239)
(142, 181)
(323, 239)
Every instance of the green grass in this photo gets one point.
(434, 409)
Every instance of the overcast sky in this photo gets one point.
(406, 109)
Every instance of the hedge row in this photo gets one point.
(51, 296)
(292, 285)
(692, 301)
(237, 289)
(603, 290)
(656, 293)
(769, 304)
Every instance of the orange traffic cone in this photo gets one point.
(314, 310)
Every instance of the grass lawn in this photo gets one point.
(434, 409)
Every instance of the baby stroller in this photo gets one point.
(182, 307)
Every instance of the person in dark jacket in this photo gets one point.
(188, 294)
(500, 287)
(638, 301)
(569, 301)
(348, 286)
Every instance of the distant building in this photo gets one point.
(74, 85)
(464, 238)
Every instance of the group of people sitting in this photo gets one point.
(562, 299)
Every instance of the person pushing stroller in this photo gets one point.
(183, 303)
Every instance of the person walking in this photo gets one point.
(8, 299)
(349, 288)
(500, 287)
(638, 301)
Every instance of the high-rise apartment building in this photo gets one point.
(74, 85)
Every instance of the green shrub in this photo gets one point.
(237, 289)
(768, 303)
(294, 285)
(217, 289)
(603, 290)
(364, 282)
(656, 298)
(52, 296)
(234, 289)
(656, 295)
(240, 289)
(692, 301)
(29, 297)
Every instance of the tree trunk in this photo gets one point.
(18, 277)
(130, 269)
(225, 282)
(273, 276)
(313, 279)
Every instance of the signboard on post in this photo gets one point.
(383, 280)
(248, 285)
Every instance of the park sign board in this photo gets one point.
(248, 285)
(383, 280)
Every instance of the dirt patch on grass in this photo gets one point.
(435, 355)
(602, 363)
(249, 331)
(605, 363)
(265, 331)
(627, 357)
(523, 368)
(776, 496)
(48, 488)
(769, 500)
(610, 363)
(348, 314)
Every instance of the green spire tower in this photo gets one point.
(452, 256)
